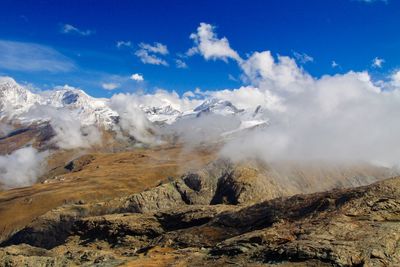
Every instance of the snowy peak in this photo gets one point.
(217, 106)
(14, 98)
(165, 110)
(16, 101)
(165, 114)
(19, 103)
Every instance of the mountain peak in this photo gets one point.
(218, 106)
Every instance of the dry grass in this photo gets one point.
(109, 175)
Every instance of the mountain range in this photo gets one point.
(19, 104)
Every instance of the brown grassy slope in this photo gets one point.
(107, 176)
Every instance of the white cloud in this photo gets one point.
(21, 168)
(248, 97)
(302, 58)
(146, 58)
(110, 86)
(70, 132)
(210, 46)
(180, 64)
(137, 77)
(148, 54)
(262, 69)
(121, 44)
(344, 118)
(377, 62)
(156, 48)
(395, 79)
(69, 29)
(19, 56)
(163, 98)
(132, 119)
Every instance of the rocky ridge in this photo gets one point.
(222, 214)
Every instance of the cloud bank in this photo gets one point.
(345, 117)
(21, 168)
(69, 131)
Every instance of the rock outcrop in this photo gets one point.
(175, 224)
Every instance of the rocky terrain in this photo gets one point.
(217, 213)
(167, 197)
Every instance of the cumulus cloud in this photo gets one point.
(110, 86)
(210, 46)
(20, 56)
(137, 77)
(132, 119)
(70, 132)
(180, 64)
(377, 62)
(156, 48)
(248, 97)
(261, 69)
(395, 79)
(70, 29)
(21, 168)
(121, 44)
(149, 54)
(343, 118)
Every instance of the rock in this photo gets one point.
(183, 222)
(165, 196)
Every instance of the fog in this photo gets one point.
(346, 117)
(5, 129)
(21, 168)
(131, 119)
(204, 129)
(69, 131)
(341, 118)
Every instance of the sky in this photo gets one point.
(106, 47)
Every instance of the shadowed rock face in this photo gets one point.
(222, 214)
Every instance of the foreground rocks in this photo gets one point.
(219, 215)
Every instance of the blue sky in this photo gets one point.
(49, 43)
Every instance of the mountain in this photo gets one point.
(163, 114)
(140, 208)
(15, 99)
(21, 105)
(17, 104)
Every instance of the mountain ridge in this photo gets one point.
(19, 103)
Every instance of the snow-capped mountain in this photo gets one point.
(15, 99)
(217, 106)
(164, 114)
(18, 103)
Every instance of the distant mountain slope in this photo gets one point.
(19, 104)
(218, 215)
